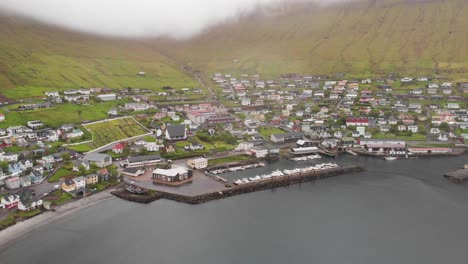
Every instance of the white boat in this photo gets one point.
(390, 158)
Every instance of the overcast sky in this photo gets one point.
(179, 18)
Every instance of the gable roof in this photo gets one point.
(95, 157)
(144, 158)
(176, 130)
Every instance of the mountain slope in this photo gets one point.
(411, 36)
(36, 57)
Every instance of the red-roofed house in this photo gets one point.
(2, 117)
(118, 148)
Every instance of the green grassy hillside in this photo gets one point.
(361, 38)
(35, 58)
(409, 37)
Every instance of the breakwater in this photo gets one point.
(147, 197)
(245, 188)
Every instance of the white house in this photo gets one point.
(258, 152)
(48, 159)
(9, 201)
(152, 147)
(8, 157)
(52, 94)
(80, 182)
(413, 128)
(435, 131)
(136, 106)
(35, 124)
(75, 133)
(107, 97)
(453, 106)
(243, 146)
(245, 101)
(442, 137)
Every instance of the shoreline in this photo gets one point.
(14, 232)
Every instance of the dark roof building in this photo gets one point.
(176, 132)
(141, 161)
(286, 137)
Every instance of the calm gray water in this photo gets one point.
(395, 212)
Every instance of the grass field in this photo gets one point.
(361, 38)
(60, 114)
(113, 130)
(35, 58)
(220, 161)
(266, 132)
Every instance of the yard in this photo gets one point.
(109, 131)
(60, 174)
(59, 197)
(100, 186)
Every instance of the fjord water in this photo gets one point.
(395, 212)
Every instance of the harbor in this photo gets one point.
(269, 181)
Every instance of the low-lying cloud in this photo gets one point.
(176, 18)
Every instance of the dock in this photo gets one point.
(458, 176)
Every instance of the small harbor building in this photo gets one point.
(197, 163)
(173, 176)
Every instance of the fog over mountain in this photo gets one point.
(175, 18)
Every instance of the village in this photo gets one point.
(182, 141)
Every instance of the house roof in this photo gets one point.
(131, 170)
(357, 120)
(69, 182)
(90, 176)
(170, 172)
(95, 157)
(119, 146)
(77, 179)
(176, 130)
(26, 196)
(144, 158)
(80, 162)
(289, 135)
(103, 171)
